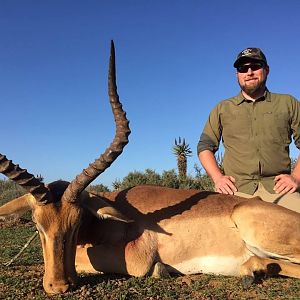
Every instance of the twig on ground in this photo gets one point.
(23, 248)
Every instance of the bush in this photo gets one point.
(98, 188)
(137, 178)
(167, 178)
(170, 179)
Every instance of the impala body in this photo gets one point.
(150, 229)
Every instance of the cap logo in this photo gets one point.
(246, 52)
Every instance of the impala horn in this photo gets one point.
(26, 180)
(116, 147)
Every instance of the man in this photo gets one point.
(256, 128)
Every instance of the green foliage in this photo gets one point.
(167, 178)
(98, 188)
(206, 182)
(170, 179)
(181, 148)
(149, 176)
(14, 240)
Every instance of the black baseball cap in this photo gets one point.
(250, 54)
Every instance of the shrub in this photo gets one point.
(167, 178)
(97, 188)
(137, 178)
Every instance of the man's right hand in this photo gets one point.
(225, 185)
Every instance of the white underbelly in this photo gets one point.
(221, 265)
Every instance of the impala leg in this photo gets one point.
(268, 266)
(101, 258)
(141, 254)
(135, 258)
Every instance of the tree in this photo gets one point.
(98, 188)
(134, 178)
(182, 151)
(205, 181)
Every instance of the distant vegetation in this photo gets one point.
(10, 190)
(169, 178)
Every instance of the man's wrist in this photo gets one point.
(296, 179)
(216, 177)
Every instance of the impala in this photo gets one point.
(150, 229)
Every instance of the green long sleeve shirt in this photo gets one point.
(256, 137)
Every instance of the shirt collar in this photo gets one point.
(240, 98)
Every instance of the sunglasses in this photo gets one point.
(253, 67)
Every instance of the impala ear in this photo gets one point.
(102, 209)
(17, 207)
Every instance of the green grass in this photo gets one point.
(23, 279)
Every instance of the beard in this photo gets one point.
(253, 89)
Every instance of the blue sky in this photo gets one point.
(174, 64)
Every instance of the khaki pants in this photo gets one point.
(291, 201)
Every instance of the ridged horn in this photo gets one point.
(26, 180)
(116, 147)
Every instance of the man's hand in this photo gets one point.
(225, 185)
(285, 183)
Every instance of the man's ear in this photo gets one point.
(267, 68)
(102, 209)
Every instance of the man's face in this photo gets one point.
(252, 77)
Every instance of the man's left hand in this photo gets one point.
(285, 183)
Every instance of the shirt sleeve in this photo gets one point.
(212, 132)
(295, 122)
